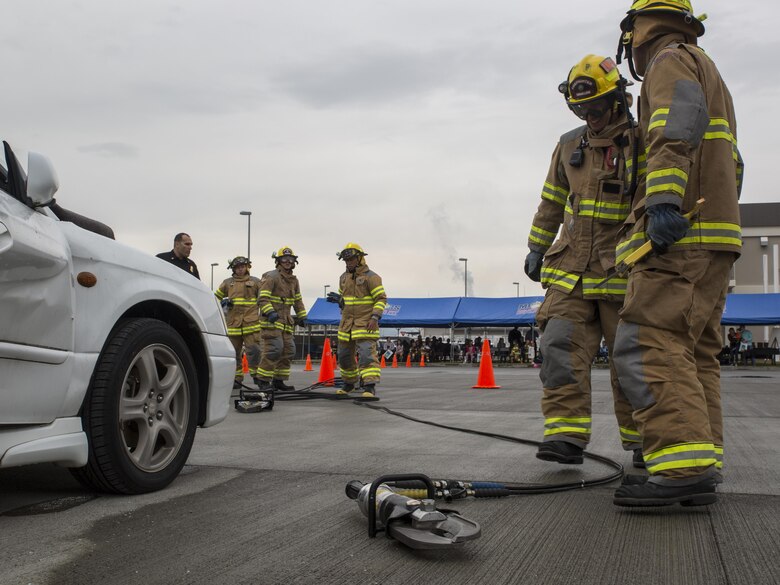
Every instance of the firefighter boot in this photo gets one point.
(650, 493)
(369, 392)
(280, 385)
(346, 389)
(263, 389)
(638, 459)
(560, 452)
(633, 479)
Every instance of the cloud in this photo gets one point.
(110, 149)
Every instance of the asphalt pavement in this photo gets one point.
(261, 500)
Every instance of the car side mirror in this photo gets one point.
(42, 182)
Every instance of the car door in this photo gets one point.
(36, 307)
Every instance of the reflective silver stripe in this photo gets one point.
(555, 194)
(541, 236)
(658, 119)
(629, 435)
(625, 248)
(559, 425)
(681, 457)
(552, 276)
(614, 286)
(612, 211)
(674, 180)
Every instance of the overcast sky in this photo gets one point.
(421, 129)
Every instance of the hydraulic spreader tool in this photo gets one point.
(415, 522)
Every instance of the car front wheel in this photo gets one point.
(140, 413)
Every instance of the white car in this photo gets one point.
(109, 357)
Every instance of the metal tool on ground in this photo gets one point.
(626, 265)
(251, 400)
(417, 523)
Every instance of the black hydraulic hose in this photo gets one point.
(519, 489)
(491, 489)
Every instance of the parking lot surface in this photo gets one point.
(262, 498)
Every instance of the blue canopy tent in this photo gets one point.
(410, 312)
(442, 312)
(489, 312)
(752, 309)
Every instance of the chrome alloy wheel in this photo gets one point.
(154, 408)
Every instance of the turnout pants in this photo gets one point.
(278, 348)
(367, 368)
(250, 343)
(572, 329)
(666, 352)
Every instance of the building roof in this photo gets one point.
(759, 214)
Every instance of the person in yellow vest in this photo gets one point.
(588, 191)
(279, 294)
(669, 336)
(362, 300)
(238, 297)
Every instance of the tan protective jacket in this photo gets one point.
(280, 292)
(591, 201)
(242, 317)
(363, 296)
(688, 123)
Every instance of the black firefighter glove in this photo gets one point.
(272, 317)
(334, 297)
(665, 226)
(300, 321)
(226, 303)
(533, 265)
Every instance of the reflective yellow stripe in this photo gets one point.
(558, 425)
(658, 119)
(541, 236)
(700, 232)
(614, 286)
(552, 276)
(672, 179)
(681, 456)
(555, 194)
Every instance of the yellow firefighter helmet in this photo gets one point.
(350, 250)
(593, 77)
(282, 252)
(681, 7)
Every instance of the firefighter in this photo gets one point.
(238, 297)
(362, 300)
(589, 189)
(279, 293)
(669, 334)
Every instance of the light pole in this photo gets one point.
(248, 232)
(326, 287)
(213, 264)
(465, 276)
(517, 284)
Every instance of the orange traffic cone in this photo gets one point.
(244, 365)
(395, 361)
(422, 360)
(409, 360)
(485, 377)
(326, 365)
(382, 362)
(307, 367)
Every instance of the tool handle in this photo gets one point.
(647, 247)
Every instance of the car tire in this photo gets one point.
(141, 410)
